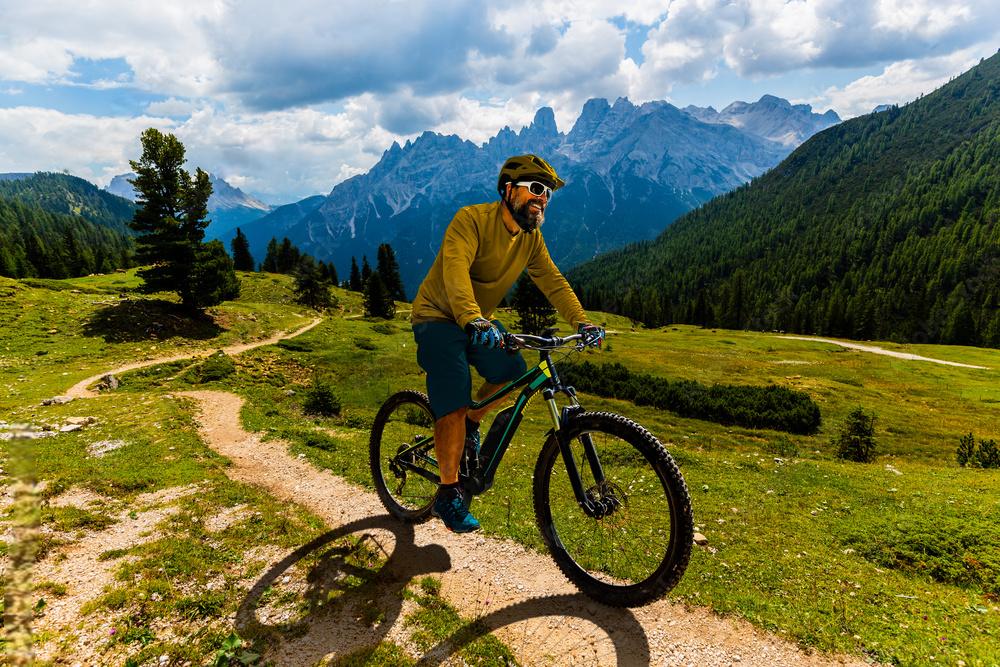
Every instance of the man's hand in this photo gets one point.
(483, 332)
(592, 334)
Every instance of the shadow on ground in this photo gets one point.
(355, 579)
(136, 320)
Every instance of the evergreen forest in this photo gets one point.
(882, 227)
(38, 244)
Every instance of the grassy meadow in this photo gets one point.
(897, 560)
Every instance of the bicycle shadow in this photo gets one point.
(620, 639)
(351, 595)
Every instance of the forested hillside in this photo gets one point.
(882, 227)
(37, 243)
(69, 195)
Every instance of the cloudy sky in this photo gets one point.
(287, 99)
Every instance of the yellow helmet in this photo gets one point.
(528, 167)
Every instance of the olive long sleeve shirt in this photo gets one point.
(478, 263)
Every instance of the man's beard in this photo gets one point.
(526, 217)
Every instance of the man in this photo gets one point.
(485, 249)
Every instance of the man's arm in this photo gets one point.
(554, 286)
(458, 250)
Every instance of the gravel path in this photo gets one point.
(518, 594)
(80, 389)
(881, 350)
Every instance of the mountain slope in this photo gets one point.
(770, 117)
(630, 171)
(228, 207)
(884, 226)
(68, 195)
(38, 243)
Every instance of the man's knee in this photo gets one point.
(454, 416)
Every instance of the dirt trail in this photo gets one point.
(520, 595)
(80, 390)
(881, 350)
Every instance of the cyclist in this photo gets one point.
(485, 249)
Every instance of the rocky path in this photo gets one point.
(518, 594)
(80, 389)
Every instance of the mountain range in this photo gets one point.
(630, 171)
(228, 207)
(886, 226)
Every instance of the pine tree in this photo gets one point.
(354, 283)
(366, 271)
(388, 268)
(242, 259)
(288, 256)
(171, 219)
(534, 311)
(311, 287)
(270, 263)
(378, 302)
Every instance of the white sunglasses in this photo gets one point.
(536, 188)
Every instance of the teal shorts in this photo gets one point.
(444, 352)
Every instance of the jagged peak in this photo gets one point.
(545, 120)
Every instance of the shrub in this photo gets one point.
(217, 366)
(320, 399)
(365, 343)
(387, 328)
(962, 552)
(856, 440)
(986, 455)
(772, 406)
(966, 450)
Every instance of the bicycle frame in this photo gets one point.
(541, 378)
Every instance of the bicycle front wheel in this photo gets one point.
(637, 546)
(401, 455)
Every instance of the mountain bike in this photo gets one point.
(610, 502)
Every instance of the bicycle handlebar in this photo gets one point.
(529, 342)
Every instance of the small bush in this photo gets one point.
(856, 440)
(320, 399)
(365, 343)
(966, 450)
(986, 455)
(387, 328)
(216, 366)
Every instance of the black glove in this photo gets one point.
(592, 334)
(483, 332)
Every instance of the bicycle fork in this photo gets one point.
(596, 502)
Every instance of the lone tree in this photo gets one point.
(378, 301)
(388, 268)
(533, 310)
(171, 221)
(242, 259)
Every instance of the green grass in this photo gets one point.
(181, 575)
(809, 547)
(896, 560)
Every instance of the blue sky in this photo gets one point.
(287, 99)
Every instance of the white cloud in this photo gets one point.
(92, 147)
(163, 42)
(899, 82)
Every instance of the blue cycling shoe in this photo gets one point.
(450, 508)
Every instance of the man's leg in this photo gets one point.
(487, 389)
(449, 440)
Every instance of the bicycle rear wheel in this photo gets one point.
(405, 476)
(640, 548)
